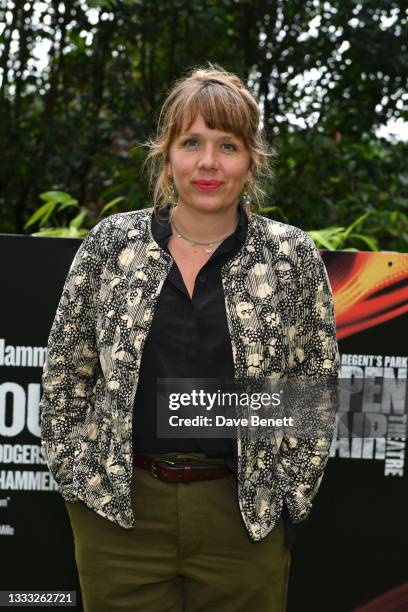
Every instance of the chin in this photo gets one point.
(208, 203)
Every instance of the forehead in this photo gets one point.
(199, 125)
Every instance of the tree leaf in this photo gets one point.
(59, 197)
(78, 220)
(41, 214)
(110, 204)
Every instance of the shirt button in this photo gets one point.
(202, 278)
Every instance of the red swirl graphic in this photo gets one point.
(368, 288)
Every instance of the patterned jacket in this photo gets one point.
(280, 318)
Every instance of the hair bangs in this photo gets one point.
(220, 109)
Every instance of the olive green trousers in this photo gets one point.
(189, 552)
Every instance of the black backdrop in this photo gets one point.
(352, 547)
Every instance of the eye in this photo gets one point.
(229, 144)
(187, 142)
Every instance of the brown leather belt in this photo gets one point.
(171, 471)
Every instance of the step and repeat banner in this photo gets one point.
(351, 549)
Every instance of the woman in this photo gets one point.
(197, 287)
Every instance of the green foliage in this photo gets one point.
(333, 181)
(50, 212)
(327, 75)
(337, 238)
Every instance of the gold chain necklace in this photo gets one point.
(207, 245)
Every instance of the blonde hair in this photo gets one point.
(225, 103)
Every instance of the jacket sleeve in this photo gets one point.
(312, 378)
(69, 368)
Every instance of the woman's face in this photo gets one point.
(202, 154)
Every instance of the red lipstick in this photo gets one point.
(208, 185)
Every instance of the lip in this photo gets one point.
(208, 185)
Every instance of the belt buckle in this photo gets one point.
(153, 465)
(187, 472)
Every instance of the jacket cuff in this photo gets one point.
(298, 506)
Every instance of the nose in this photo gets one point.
(208, 157)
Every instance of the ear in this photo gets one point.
(253, 160)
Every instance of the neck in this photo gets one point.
(203, 225)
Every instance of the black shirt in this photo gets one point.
(188, 338)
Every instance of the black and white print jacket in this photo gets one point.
(281, 322)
